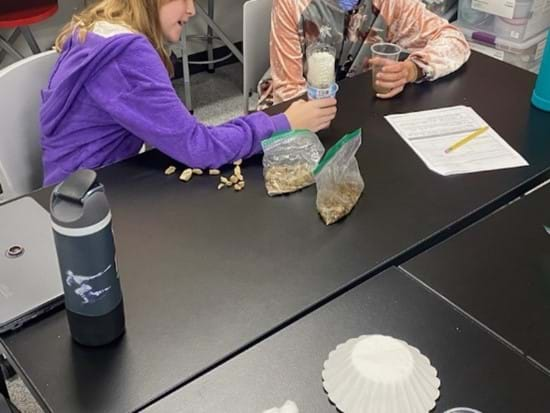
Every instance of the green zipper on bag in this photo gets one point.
(282, 135)
(335, 149)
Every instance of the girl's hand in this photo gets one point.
(394, 75)
(313, 115)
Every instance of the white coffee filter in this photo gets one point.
(375, 373)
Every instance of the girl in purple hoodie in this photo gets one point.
(110, 92)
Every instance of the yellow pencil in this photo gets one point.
(466, 139)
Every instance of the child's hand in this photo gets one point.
(394, 76)
(313, 115)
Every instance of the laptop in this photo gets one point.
(30, 283)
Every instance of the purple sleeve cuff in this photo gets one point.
(280, 123)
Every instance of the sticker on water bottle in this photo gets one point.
(89, 272)
(316, 93)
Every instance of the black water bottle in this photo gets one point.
(81, 221)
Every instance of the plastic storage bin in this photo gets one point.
(527, 54)
(518, 20)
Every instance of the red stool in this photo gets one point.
(18, 15)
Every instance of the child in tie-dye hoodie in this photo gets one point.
(352, 26)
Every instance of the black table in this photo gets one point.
(498, 271)
(207, 273)
(475, 369)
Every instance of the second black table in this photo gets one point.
(474, 368)
(498, 271)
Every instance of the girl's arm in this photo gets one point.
(435, 45)
(138, 94)
(286, 57)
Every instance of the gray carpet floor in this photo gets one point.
(216, 98)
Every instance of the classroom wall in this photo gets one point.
(228, 14)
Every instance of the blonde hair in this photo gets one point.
(141, 16)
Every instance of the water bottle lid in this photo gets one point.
(76, 186)
(79, 201)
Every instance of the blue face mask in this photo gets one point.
(348, 5)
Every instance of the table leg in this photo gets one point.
(11, 40)
(9, 48)
(210, 35)
(211, 23)
(186, 75)
(30, 39)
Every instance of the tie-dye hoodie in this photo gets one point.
(437, 47)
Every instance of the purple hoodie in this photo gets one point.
(106, 96)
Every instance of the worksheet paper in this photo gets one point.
(430, 132)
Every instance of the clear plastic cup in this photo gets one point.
(461, 410)
(389, 53)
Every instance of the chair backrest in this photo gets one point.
(256, 29)
(20, 150)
